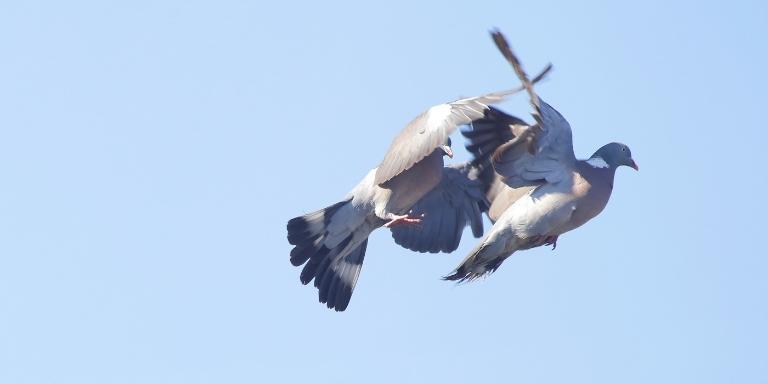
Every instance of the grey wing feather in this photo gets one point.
(543, 153)
(431, 129)
(486, 135)
(456, 202)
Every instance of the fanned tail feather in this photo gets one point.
(333, 265)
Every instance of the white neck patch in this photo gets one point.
(597, 162)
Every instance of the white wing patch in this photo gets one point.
(597, 162)
(436, 116)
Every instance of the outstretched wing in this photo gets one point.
(542, 153)
(456, 202)
(431, 129)
(486, 135)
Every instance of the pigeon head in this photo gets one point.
(614, 155)
(446, 148)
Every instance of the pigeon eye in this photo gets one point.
(623, 149)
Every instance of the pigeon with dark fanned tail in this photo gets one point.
(424, 203)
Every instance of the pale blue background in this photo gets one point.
(151, 154)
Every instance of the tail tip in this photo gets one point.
(459, 275)
(299, 230)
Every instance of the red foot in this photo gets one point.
(403, 220)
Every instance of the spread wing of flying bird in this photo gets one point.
(562, 193)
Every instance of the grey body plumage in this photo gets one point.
(540, 190)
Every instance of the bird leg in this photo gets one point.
(540, 240)
(551, 240)
(402, 220)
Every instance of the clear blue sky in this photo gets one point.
(151, 154)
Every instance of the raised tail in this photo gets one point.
(331, 244)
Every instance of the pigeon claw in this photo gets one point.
(551, 240)
(540, 240)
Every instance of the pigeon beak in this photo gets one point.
(633, 164)
(448, 151)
